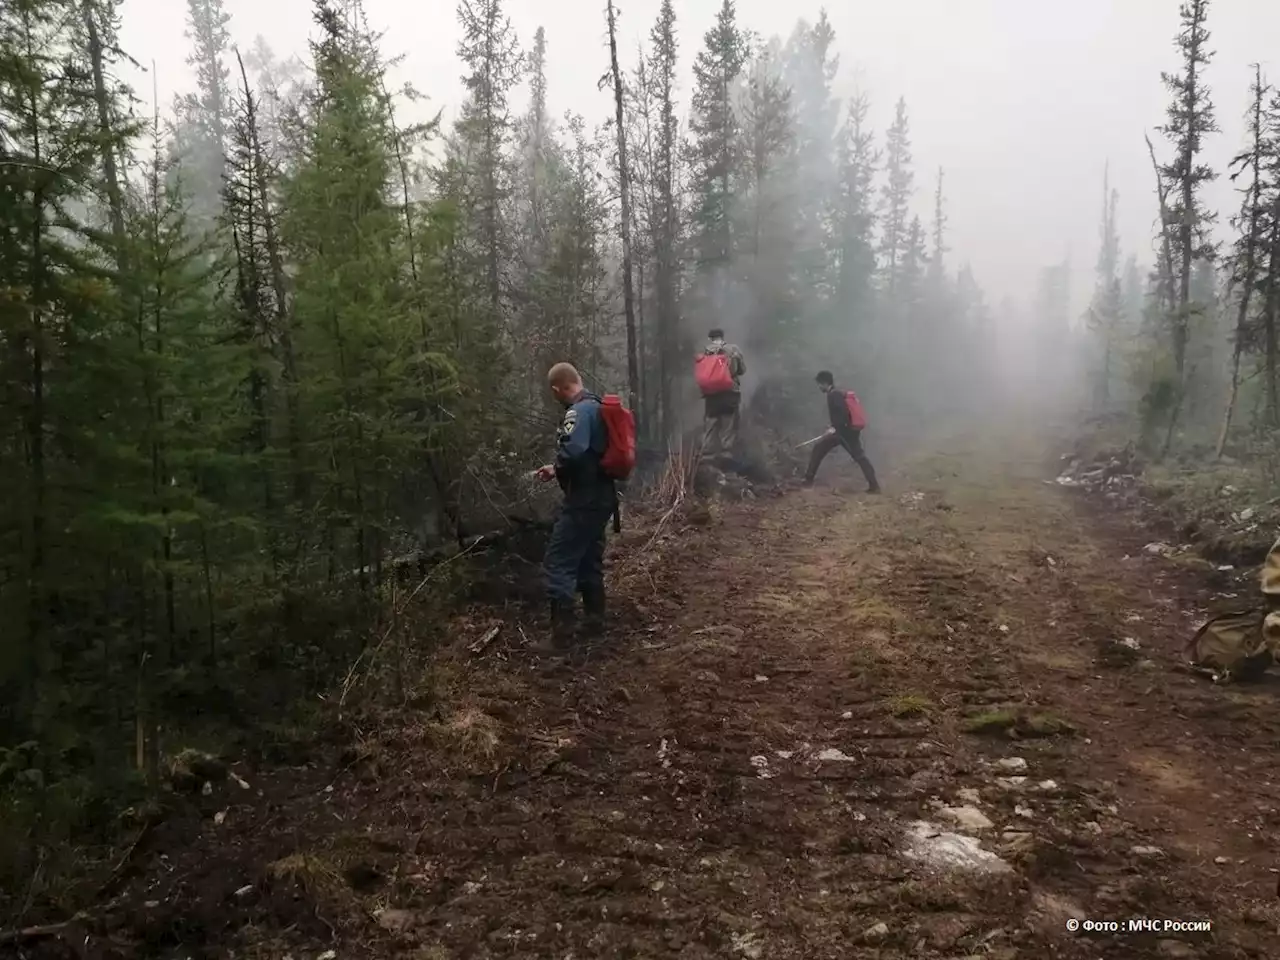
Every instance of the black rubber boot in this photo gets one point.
(593, 608)
(563, 622)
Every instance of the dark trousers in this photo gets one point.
(722, 420)
(851, 440)
(575, 553)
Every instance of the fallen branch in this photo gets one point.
(38, 933)
(478, 646)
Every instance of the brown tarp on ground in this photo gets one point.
(1242, 644)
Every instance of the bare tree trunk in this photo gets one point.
(624, 184)
(1270, 319)
(1174, 314)
(115, 199)
(1165, 260)
(276, 263)
(1249, 271)
(1233, 391)
(35, 428)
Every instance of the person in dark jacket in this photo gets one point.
(574, 559)
(841, 434)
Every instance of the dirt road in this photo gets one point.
(803, 683)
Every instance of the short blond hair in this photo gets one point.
(563, 375)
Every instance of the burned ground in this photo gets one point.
(792, 684)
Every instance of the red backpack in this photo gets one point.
(712, 372)
(620, 444)
(857, 416)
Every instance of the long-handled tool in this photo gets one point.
(807, 442)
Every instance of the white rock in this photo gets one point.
(833, 755)
(1011, 763)
(1094, 827)
(207, 789)
(1011, 783)
(220, 818)
(1047, 785)
(1147, 852)
(762, 767)
(878, 932)
(1220, 860)
(761, 678)
(968, 818)
(1022, 811)
(847, 715)
(930, 844)
(244, 891)
(328, 955)
(969, 796)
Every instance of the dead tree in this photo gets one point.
(1247, 260)
(624, 186)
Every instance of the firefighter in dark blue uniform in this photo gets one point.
(574, 561)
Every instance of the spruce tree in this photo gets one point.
(491, 54)
(101, 23)
(1269, 284)
(911, 286)
(1250, 245)
(1105, 309)
(666, 214)
(809, 70)
(62, 365)
(938, 254)
(1190, 120)
(206, 110)
(715, 156)
(539, 175)
(895, 200)
(855, 213)
(767, 206)
(356, 331)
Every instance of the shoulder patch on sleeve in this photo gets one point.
(570, 421)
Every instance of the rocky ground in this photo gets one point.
(943, 723)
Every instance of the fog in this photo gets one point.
(1021, 102)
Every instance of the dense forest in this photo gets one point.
(1185, 347)
(261, 344)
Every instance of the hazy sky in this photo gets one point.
(1022, 101)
